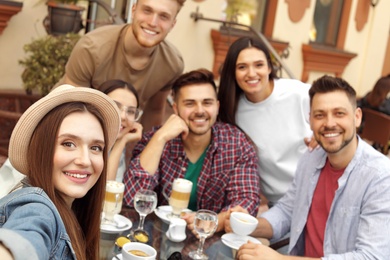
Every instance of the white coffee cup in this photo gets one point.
(177, 230)
(242, 224)
(128, 247)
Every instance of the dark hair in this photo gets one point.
(327, 84)
(379, 93)
(82, 223)
(229, 90)
(111, 85)
(198, 76)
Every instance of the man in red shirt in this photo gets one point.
(338, 206)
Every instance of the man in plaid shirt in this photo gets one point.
(192, 145)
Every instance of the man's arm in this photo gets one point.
(66, 80)
(147, 155)
(154, 110)
(263, 229)
(244, 181)
(80, 66)
(150, 156)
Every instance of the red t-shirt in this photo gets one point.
(319, 210)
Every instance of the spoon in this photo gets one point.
(115, 224)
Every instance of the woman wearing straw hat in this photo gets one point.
(61, 144)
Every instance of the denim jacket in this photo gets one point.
(31, 226)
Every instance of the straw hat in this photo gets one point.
(22, 133)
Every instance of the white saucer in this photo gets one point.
(123, 222)
(163, 212)
(235, 241)
(119, 256)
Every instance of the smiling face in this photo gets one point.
(198, 106)
(252, 74)
(333, 120)
(126, 98)
(78, 156)
(153, 20)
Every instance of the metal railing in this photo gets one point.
(114, 18)
(198, 16)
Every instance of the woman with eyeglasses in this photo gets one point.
(126, 98)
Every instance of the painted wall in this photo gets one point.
(22, 28)
(194, 41)
(370, 43)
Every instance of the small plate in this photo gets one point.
(123, 222)
(235, 241)
(163, 211)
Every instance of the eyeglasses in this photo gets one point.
(132, 113)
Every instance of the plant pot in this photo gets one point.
(63, 18)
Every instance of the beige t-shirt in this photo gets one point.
(100, 56)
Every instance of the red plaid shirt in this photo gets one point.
(229, 175)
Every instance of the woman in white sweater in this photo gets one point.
(273, 112)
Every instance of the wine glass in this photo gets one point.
(145, 201)
(205, 223)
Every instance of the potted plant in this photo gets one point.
(45, 64)
(64, 16)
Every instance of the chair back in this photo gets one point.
(376, 128)
(12, 104)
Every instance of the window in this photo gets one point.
(258, 22)
(326, 22)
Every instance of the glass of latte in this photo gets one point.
(113, 201)
(180, 196)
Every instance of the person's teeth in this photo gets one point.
(150, 32)
(78, 176)
(331, 135)
(253, 81)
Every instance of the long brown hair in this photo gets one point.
(377, 96)
(82, 223)
(229, 91)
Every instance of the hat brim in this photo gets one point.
(24, 128)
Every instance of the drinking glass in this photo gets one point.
(145, 201)
(180, 196)
(205, 224)
(112, 201)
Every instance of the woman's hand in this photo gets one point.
(311, 143)
(135, 134)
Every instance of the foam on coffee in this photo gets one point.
(113, 188)
(182, 185)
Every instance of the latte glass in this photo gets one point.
(113, 200)
(180, 196)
